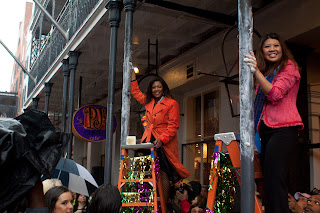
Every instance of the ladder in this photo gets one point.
(230, 140)
(156, 185)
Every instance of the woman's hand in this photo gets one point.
(157, 143)
(181, 196)
(251, 62)
(265, 85)
(293, 205)
(133, 75)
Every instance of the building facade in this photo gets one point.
(17, 77)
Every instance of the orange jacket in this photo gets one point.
(163, 123)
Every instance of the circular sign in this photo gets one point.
(89, 123)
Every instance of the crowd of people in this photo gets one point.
(59, 199)
(52, 197)
(187, 197)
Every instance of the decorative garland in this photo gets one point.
(136, 192)
(225, 193)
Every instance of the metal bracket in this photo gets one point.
(138, 146)
(227, 137)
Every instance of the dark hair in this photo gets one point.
(105, 199)
(52, 196)
(193, 206)
(190, 192)
(315, 191)
(166, 91)
(196, 187)
(264, 67)
(75, 207)
(173, 189)
(202, 201)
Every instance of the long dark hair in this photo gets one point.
(52, 196)
(166, 90)
(105, 199)
(75, 207)
(267, 68)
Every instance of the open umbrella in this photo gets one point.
(75, 177)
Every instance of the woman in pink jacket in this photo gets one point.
(276, 116)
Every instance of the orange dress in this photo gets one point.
(162, 122)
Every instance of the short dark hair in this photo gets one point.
(166, 90)
(106, 198)
(315, 191)
(267, 69)
(52, 196)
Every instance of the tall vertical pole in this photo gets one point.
(73, 61)
(47, 90)
(114, 8)
(35, 102)
(245, 23)
(79, 93)
(66, 74)
(129, 6)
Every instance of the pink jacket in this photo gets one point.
(280, 109)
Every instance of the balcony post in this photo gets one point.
(66, 74)
(129, 7)
(47, 90)
(35, 102)
(73, 61)
(114, 8)
(245, 25)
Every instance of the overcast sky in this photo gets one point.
(11, 13)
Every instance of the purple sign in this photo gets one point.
(89, 123)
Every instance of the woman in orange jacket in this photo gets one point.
(162, 116)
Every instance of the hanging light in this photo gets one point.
(136, 69)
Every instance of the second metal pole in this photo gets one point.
(246, 107)
(73, 61)
(129, 6)
(114, 8)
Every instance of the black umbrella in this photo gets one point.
(29, 146)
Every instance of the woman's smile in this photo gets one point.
(157, 90)
(272, 50)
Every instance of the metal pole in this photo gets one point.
(114, 8)
(246, 107)
(64, 33)
(47, 91)
(35, 102)
(23, 68)
(157, 57)
(79, 93)
(73, 61)
(66, 74)
(129, 6)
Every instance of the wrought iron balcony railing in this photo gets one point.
(46, 48)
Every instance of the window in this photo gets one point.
(20, 79)
(203, 112)
(189, 71)
(203, 115)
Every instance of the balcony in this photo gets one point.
(47, 41)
